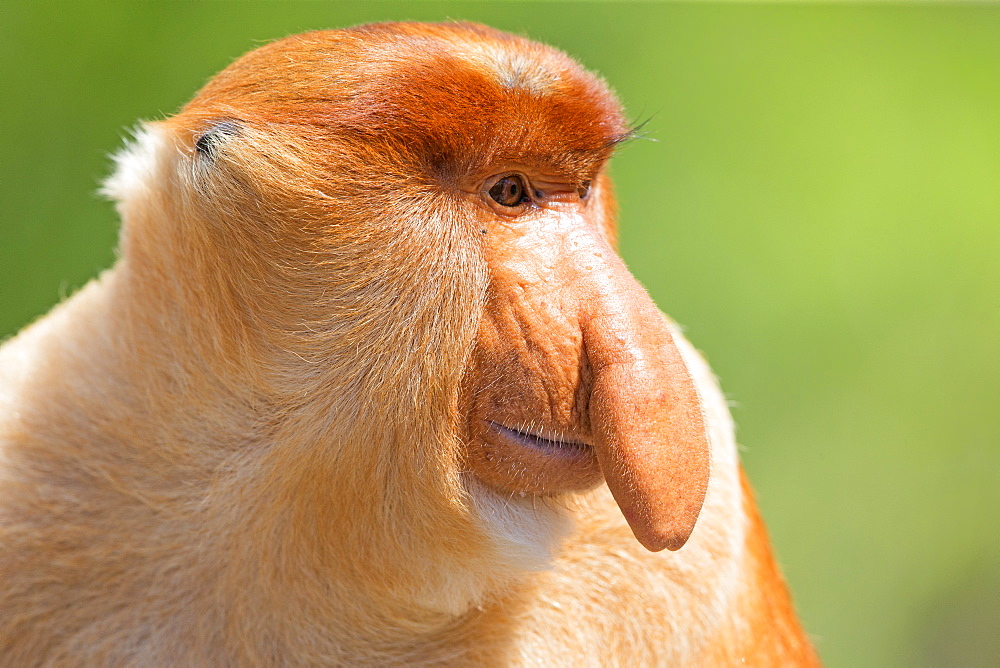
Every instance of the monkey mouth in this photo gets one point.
(553, 447)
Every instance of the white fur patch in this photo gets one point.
(135, 165)
(513, 69)
(525, 529)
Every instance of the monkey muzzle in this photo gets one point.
(576, 378)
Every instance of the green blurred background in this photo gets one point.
(820, 208)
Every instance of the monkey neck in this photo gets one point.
(309, 512)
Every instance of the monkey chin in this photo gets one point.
(531, 460)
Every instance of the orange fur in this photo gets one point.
(250, 442)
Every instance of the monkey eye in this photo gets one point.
(510, 191)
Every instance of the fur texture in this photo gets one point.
(247, 443)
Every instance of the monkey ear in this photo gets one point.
(209, 141)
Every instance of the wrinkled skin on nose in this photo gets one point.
(576, 378)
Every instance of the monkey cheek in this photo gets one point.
(513, 465)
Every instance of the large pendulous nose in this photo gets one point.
(645, 414)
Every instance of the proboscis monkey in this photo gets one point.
(354, 388)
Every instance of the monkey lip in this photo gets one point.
(552, 447)
(532, 460)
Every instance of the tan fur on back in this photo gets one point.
(240, 445)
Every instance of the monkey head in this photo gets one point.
(397, 242)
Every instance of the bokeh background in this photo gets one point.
(817, 201)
